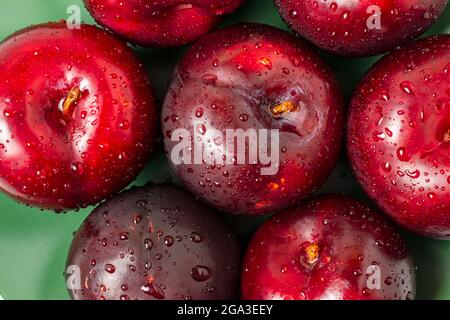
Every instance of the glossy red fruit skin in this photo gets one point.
(228, 80)
(399, 118)
(353, 241)
(152, 243)
(160, 23)
(340, 26)
(62, 162)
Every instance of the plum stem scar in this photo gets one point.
(312, 253)
(284, 107)
(72, 98)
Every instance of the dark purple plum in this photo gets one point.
(154, 242)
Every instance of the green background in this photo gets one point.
(34, 244)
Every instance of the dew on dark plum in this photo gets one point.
(201, 273)
(150, 260)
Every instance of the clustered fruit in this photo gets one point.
(79, 121)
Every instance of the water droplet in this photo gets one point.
(366, 292)
(201, 273)
(385, 97)
(379, 136)
(407, 87)
(168, 241)
(141, 203)
(124, 125)
(122, 156)
(199, 112)
(137, 219)
(403, 155)
(215, 105)
(388, 281)
(357, 272)
(148, 244)
(201, 128)
(413, 174)
(110, 268)
(243, 117)
(77, 168)
(196, 237)
(346, 16)
(333, 7)
(387, 167)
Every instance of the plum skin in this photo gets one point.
(160, 23)
(231, 79)
(401, 156)
(327, 248)
(152, 243)
(341, 28)
(76, 107)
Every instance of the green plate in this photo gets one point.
(34, 244)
